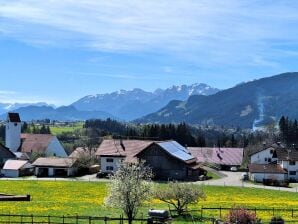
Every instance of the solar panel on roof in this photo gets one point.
(176, 150)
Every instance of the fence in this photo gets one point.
(293, 213)
(35, 219)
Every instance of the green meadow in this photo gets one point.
(87, 198)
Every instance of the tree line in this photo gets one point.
(288, 130)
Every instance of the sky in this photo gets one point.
(58, 51)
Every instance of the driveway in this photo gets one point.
(234, 179)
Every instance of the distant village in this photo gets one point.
(42, 155)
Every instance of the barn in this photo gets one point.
(171, 161)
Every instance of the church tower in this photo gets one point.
(13, 131)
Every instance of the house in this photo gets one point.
(224, 158)
(113, 152)
(54, 167)
(42, 144)
(26, 144)
(5, 154)
(282, 156)
(168, 159)
(260, 172)
(16, 168)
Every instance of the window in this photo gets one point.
(109, 168)
(265, 159)
(269, 160)
(271, 151)
(292, 172)
(109, 160)
(292, 163)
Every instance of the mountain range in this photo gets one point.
(121, 105)
(132, 104)
(249, 105)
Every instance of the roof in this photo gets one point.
(128, 148)
(15, 164)
(266, 168)
(176, 150)
(35, 142)
(221, 156)
(54, 162)
(13, 117)
(80, 151)
(282, 152)
(5, 152)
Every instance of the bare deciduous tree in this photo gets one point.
(179, 195)
(130, 187)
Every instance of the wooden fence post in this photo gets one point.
(63, 219)
(220, 211)
(89, 220)
(292, 213)
(49, 219)
(32, 219)
(202, 212)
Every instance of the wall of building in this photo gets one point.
(104, 164)
(292, 169)
(55, 149)
(263, 157)
(258, 177)
(10, 173)
(13, 135)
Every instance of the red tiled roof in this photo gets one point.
(35, 142)
(265, 168)
(112, 147)
(221, 156)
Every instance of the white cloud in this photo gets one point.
(205, 32)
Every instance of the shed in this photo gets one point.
(54, 167)
(17, 168)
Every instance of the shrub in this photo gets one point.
(277, 220)
(241, 215)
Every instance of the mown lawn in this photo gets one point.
(87, 198)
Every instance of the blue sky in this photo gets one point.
(58, 51)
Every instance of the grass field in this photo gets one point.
(87, 198)
(58, 129)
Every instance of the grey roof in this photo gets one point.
(176, 150)
(54, 162)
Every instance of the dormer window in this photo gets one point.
(15, 124)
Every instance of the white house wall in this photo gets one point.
(55, 149)
(258, 177)
(262, 157)
(289, 168)
(10, 173)
(115, 164)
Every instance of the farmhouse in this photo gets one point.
(281, 156)
(54, 166)
(5, 154)
(168, 159)
(223, 158)
(112, 152)
(16, 168)
(24, 145)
